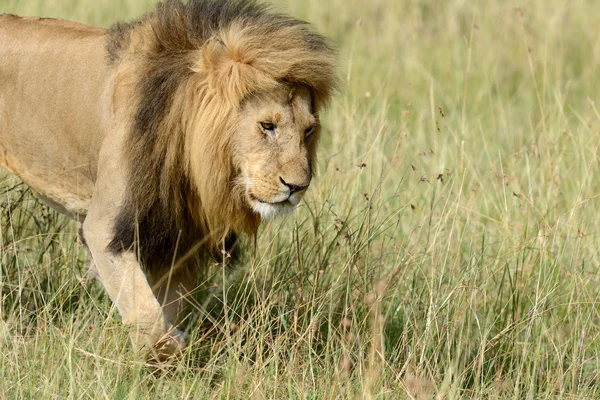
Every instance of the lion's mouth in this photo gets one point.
(273, 209)
(273, 203)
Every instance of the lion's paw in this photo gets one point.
(172, 344)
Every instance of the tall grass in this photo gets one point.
(447, 249)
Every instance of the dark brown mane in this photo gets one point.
(183, 100)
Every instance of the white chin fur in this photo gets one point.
(271, 211)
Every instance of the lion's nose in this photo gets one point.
(293, 187)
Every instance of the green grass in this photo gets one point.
(447, 249)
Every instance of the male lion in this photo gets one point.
(167, 137)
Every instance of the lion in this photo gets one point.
(167, 137)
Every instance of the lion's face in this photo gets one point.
(273, 146)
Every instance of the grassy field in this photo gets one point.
(447, 249)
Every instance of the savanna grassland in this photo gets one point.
(448, 247)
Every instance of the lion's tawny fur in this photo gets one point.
(168, 137)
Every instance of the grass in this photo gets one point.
(447, 249)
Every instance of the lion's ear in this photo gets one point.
(230, 71)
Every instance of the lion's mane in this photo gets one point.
(183, 71)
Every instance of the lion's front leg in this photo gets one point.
(128, 287)
(120, 272)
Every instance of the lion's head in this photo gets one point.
(273, 148)
(225, 113)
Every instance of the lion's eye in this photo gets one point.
(267, 126)
(309, 131)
